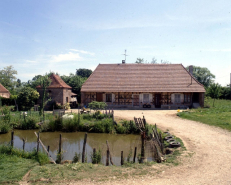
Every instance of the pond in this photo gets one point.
(73, 142)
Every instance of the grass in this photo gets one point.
(13, 168)
(219, 115)
(15, 163)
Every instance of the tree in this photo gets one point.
(75, 82)
(203, 75)
(26, 98)
(139, 61)
(214, 91)
(8, 78)
(225, 92)
(84, 72)
(154, 60)
(45, 82)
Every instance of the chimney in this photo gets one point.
(123, 61)
(190, 68)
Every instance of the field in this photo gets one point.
(219, 115)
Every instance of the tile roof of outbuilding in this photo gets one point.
(3, 89)
(141, 78)
(57, 82)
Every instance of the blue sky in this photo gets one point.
(51, 35)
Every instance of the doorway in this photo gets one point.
(99, 97)
(157, 100)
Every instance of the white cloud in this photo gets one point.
(218, 50)
(31, 61)
(70, 56)
(82, 51)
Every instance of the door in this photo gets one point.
(157, 101)
(99, 97)
(136, 100)
(195, 98)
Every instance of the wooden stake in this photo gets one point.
(45, 149)
(142, 146)
(109, 153)
(107, 158)
(93, 160)
(60, 146)
(48, 149)
(38, 143)
(23, 146)
(12, 138)
(134, 158)
(84, 145)
(122, 159)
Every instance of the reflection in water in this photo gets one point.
(73, 142)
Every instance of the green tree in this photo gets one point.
(8, 78)
(225, 92)
(139, 61)
(26, 98)
(214, 91)
(75, 82)
(85, 73)
(203, 75)
(44, 82)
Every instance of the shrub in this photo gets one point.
(76, 158)
(96, 157)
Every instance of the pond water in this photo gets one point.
(73, 142)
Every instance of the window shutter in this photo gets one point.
(104, 97)
(113, 97)
(141, 97)
(182, 98)
(173, 98)
(150, 98)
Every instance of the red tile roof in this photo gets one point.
(141, 78)
(57, 82)
(3, 89)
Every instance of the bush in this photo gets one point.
(96, 157)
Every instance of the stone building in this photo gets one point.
(153, 86)
(58, 91)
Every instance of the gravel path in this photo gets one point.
(211, 148)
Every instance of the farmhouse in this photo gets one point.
(58, 91)
(4, 92)
(166, 86)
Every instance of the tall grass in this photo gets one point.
(42, 158)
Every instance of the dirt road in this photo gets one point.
(211, 148)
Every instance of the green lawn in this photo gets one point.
(13, 168)
(219, 115)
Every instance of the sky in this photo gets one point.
(41, 36)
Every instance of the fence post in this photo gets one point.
(23, 146)
(142, 147)
(48, 149)
(122, 159)
(107, 158)
(93, 158)
(134, 158)
(12, 138)
(84, 145)
(38, 143)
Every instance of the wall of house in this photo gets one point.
(126, 100)
(56, 94)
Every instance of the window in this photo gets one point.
(187, 98)
(177, 98)
(66, 99)
(146, 98)
(108, 97)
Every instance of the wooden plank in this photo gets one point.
(45, 149)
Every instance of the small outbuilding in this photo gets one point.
(58, 91)
(4, 92)
(155, 86)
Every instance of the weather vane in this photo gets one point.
(125, 54)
